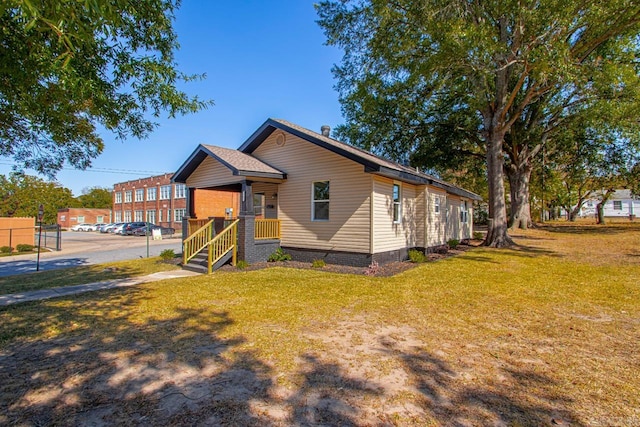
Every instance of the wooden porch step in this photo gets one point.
(199, 262)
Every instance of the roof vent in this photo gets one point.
(326, 130)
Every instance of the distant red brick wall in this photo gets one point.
(210, 203)
(16, 231)
(71, 216)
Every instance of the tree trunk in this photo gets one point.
(497, 234)
(573, 213)
(519, 182)
(600, 213)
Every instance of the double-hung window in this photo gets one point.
(180, 191)
(617, 205)
(464, 212)
(320, 201)
(151, 194)
(436, 205)
(165, 192)
(118, 197)
(127, 196)
(397, 206)
(139, 195)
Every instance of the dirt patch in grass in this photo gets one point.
(537, 335)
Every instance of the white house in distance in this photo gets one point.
(331, 200)
(622, 204)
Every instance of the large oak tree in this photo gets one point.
(511, 64)
(69, 66)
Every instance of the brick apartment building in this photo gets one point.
(69, 217)
(158, 200)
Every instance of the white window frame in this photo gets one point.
(118, 217)
(100, 219)
(152, 194)
(165, 192)
(151, 216)
(127, 196)
(159, 216)
(396, 206)
(436, 205)
(118, 197)
(127, 216)
(464, 212)
(617, 205)
(80, 219)
(314, 201)
(138, 216)
(178, 214)
(140, 195)
(180, 191)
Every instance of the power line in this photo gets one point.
(103, 170)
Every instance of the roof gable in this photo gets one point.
(237, 162)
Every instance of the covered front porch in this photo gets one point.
(251, 236)
(232, 207)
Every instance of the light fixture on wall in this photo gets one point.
(274, 196)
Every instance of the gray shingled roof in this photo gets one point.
(239, 161)
(372, 163)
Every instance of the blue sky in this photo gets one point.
(262, 59)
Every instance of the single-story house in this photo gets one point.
(621, 204)
(68, 217)
(326, 199)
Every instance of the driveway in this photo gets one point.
(85, 248)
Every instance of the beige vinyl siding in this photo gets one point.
(387, 235)
(436, 222)
(453, 217)
(210, 173)
(465, 228)
(349, 196)
(420, 218)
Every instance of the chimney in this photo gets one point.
(326, 130)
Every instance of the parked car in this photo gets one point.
(130, 226)
(97, 225)
(102, 227)
(117, 229)
(109, 227)
(142, 231)
(82, 227)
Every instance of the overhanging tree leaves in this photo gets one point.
(497, 60)
(95, 197)
(68, 66)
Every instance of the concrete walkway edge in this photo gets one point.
(42, 294)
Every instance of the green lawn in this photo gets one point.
(544, 333)
(81, 275)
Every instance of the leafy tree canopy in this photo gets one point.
(21, 195)
(68, 66)
(95, 197)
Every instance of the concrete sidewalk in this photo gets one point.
(78, 289)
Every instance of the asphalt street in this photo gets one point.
(86, 248)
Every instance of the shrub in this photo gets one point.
(416, 256)
(242, 264)
(24, 247)
(453, 243)
(318, 263)
(373, 269)
(477, 235)
(167, 254)
(6, 249)
(279, 255)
